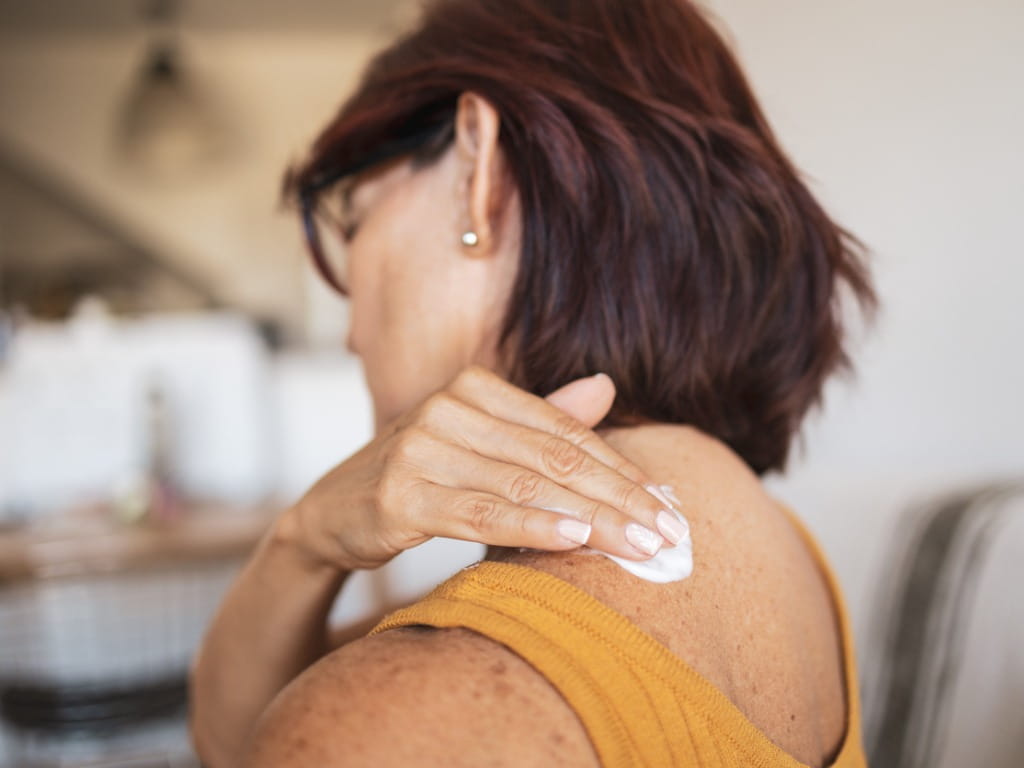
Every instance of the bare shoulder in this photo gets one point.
(755, 617)
(419, 696)
(741, 538)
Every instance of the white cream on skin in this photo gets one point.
(671, 563)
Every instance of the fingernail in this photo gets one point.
(670, 495)
(658, 494)
(573, 530)
(671, 527)
(644, 539)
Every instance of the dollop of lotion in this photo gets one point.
(670, 563)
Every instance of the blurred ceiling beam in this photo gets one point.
(104, 226)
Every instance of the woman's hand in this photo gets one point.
(483, 460)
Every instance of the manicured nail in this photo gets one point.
(573, 530)
(659, 494)
(644, 539)
(671, 527)
(671, 496)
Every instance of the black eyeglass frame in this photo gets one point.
(308, 193)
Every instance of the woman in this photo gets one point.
(529, 192)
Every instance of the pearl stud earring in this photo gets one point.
(470, 238)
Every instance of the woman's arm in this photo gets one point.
(438, 698)
(271, 626)
(481, 460)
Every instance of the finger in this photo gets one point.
(587, 400)
(612, 531)
(490, 393)
(534, 468)
(492, 520)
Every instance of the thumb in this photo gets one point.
(587, 399)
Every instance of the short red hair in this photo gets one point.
(666, 237)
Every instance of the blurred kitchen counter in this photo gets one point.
(78, 545)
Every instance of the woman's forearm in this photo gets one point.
(271, 625)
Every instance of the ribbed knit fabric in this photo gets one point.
(640, 704)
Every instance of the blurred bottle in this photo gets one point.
(153, 495)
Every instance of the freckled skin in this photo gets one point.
(462, 701)
(754, 591)
(755, 619)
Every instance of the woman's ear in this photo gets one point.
(476, 140)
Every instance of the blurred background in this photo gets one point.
(172, 372)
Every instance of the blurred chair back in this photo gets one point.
(947, 651)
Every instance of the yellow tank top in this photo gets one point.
(640, 704)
